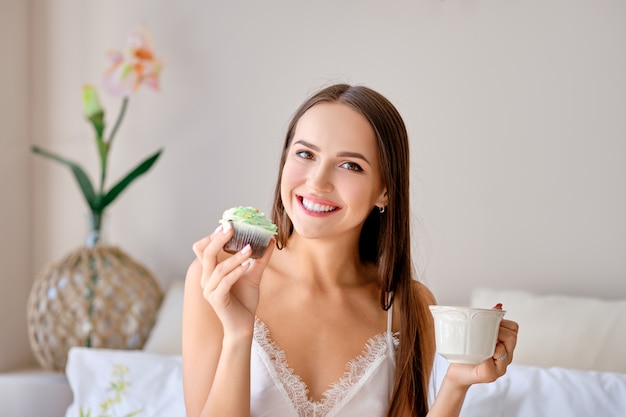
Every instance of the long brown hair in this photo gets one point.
(385, 239)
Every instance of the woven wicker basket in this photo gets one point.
(96, 297)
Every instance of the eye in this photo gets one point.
(304, 154)
(351, 166)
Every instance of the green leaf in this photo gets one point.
(81, 177)
(139, 170)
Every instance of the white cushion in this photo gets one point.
(566, 331)
(549, 392)
(529, 391)
(153, 383)
(34, 393)
(166, 335)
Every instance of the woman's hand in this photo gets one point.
(230, 284)
(492, 368)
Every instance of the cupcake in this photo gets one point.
(250, 227)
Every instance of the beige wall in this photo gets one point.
(15, 180)
(515, 110)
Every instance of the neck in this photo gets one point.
(326, 264)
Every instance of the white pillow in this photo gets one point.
(166, 335)
(549, 392)
(151, 383)
(529, 391)
(557, 330)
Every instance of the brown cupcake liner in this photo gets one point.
(244, 234)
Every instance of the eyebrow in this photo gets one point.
(343, 154)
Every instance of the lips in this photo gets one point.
(318, 206)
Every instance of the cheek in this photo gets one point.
(295, 172)
(291, 176)
(356, 189)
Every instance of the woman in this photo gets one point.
(332, 323)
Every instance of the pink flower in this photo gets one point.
(135, 66)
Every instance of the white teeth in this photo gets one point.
(318, 208)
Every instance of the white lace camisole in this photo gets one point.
(364, 389)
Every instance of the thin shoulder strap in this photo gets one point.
(390, 312)
(390, 319)
(391, 344)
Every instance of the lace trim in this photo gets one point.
(339, 392)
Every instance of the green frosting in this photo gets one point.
(248, 215)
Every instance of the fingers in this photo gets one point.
(507, 339)
(507, 334)
(228, 270)
(510, 324)
(220, 271)
(225, 275)
(253, 268)
(209, 248)
(199, 246)
(261, 262)
(500, 354)
(492, 369)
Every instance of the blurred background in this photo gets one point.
(516, 112)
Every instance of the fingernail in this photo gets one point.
(227, 227)
(217, 229)
(498, 306)
(246, 250)
(246, 263)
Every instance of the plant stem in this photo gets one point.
(95, 227)
(109, 142)
(118, 121)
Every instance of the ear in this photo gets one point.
(382, 199)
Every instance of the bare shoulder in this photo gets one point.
(423, 294)
(194, 270)
(193, 279)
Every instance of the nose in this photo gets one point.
(320, 178)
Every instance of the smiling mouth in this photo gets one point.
(317, 207)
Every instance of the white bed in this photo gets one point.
(569, 362)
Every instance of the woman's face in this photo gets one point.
(331, 179)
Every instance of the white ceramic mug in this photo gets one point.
(465, 334)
